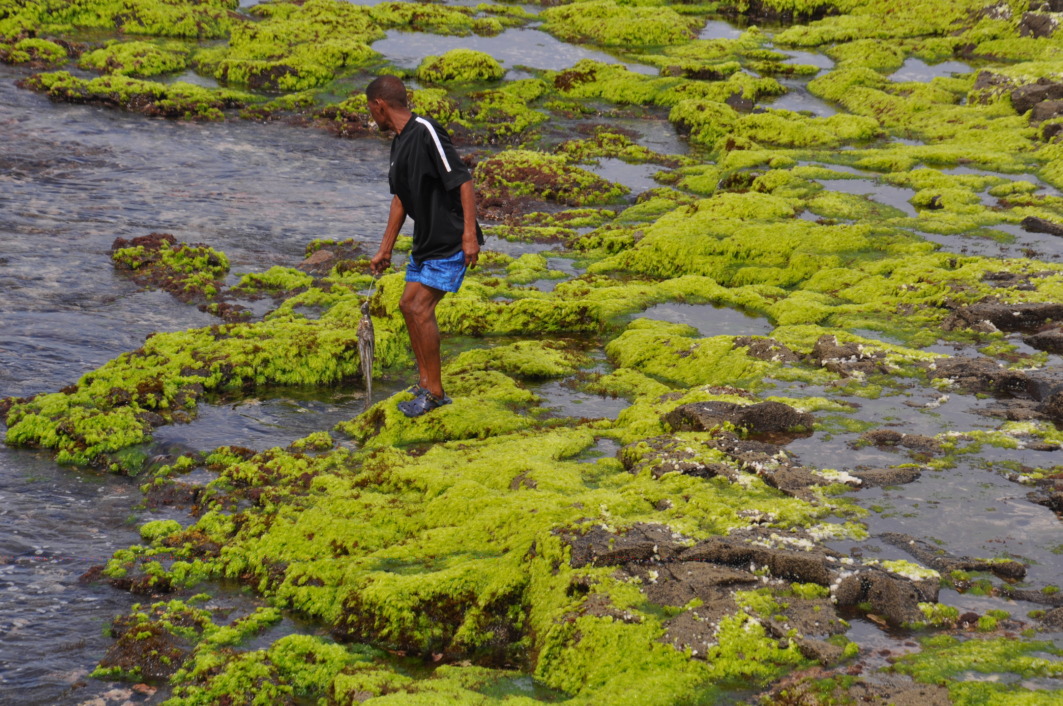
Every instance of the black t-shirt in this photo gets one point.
(425, 174)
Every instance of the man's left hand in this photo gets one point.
(472, 253)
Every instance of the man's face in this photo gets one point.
(376, 111)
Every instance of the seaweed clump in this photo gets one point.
(177, 100)
(460, 66)
(516, 174)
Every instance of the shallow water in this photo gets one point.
(522, 46)
(915, 69)
(799, 100)
(898, 197)
(710, 320)
(73, 178)
(636, 177)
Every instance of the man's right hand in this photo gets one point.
(380, 262)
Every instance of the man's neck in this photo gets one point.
(399, 120)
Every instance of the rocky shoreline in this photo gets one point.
(492, 541)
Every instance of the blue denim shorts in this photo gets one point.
(446, 273)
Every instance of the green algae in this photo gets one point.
(442, 536)
(589, 79)
(517, 173)
(197, 19)
(189, 271)
(944, 658)
(460, 66)
(294, 47)
(136, 58)
(177, 100)
(33, 51)
(117, 405)
(608, 23)
(404, 575)
(275, 279)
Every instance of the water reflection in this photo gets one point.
(915, 69)
(710, 320)
(523, 46)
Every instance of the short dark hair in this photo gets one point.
(388, 88)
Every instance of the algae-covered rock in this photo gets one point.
(460, 66)
(176, 100)
(136, 59)
(33, 52)
(198, 19)
(294, 47)
(524, 173)
(609, 23)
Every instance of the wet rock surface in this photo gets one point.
(1004, 317)
(1050, 341)
(937, 559)
(894, 598)
(755, 418)
(847, 359)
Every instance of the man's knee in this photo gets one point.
(417, 304)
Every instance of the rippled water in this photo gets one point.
(523, 46)
(72, 179)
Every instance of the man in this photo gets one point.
(431, 185)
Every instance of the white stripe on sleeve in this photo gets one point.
(435, 138)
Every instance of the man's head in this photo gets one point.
(386, 96)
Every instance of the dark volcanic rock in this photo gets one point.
(1052, 499)
(763, 417)
(1033, 224)
(984, 375)
(1026, 97)
(889, 437)
(1052, 407)
(1046, 110)
(936, 559)
(766, 349)
(894, 598)
(879, 477)
(1054, 619)
(809, 567)
(1037, 24)
(1005, 317)
(642, 543)
(1050, 340)
(847, 358)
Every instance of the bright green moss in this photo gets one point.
(422, 17)
(611, 144)
(176, 100)
(275, 279)
(944, 659)
(517, 173)
(294, 47)
(608, 23)
(206, 19)
(111, 407)
(527, 359)
(33, 50)
(460, 66)
(136, 58)
(873, 53)
(188, 271)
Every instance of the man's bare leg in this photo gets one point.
(418, 307)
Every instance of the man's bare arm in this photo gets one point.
(469, 244)
(396, 217)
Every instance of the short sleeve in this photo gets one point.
(452, 171)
